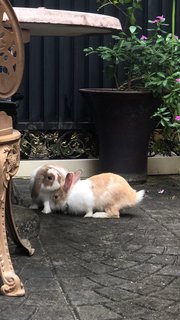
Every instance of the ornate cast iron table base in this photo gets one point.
(9, 164)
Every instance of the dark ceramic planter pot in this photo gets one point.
(123, 123)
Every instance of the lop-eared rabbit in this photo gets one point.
(44, 180)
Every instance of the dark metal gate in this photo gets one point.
(56, 68)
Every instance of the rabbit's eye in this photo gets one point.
(56, 196)
(49, 177)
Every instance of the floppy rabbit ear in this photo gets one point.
(68, 181)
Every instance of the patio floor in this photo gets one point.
(103, 269)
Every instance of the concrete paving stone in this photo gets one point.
(129, 309)
(130, 275)
(155, 315)
(147, 268)
(6, 302)
(85, 297)
(53, 313)
(110, 280)
(162, 259)
(168, 293)
(171, 270)
(60, 259)
(103, 254)
(168, 316)
(173, 226)
(95, 312)
(175, 282)
(98, 268)
(27, 222)
(39, 284)
(172, 250)
(153, 303)
(164, 203)
(152, 249)
(139, 241)
(115, 293)
(44, 298)
(63, 249)
(166, 241)
(176, 233)
(174, 309)
(110, 269)
(21, 192)
(132, 247)
(138, 287)
(20, 268)
(71, 269)
(120, 263)
(177, 260)
(92, 255)
(36, 270)
(164, 215)
(81, 282)
(17, 312)
(158, 280)
(138, 257)
(20, 264)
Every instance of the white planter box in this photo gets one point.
(88, 166)
(156, 165)
(164, 165)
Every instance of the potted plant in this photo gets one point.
(147, 94)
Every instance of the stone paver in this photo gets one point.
(100, 269)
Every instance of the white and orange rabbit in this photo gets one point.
(44, 180)
(100, 196)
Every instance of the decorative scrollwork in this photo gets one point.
(58, 145)
(26, 243)
(12, 285)
(75, 144)
(11, 52)
(11, 162)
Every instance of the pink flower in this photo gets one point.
(177, 118)
(158, 19)
(143, 38)
(178, 80)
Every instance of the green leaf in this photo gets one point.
(161, 74)
(132, 19)
(132, 29)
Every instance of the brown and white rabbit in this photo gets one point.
(44, 180)
(100, 196)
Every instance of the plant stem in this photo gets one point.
(129, 80)
(114, 5)
(173, 17)
(116, 80)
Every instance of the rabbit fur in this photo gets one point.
(44, 180)
(100, 196)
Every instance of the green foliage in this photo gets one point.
(149, 63)
(166, 145)
(127, 7)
